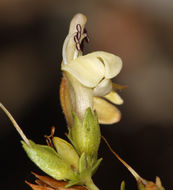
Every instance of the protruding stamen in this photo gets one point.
(49, 137)
(78, 28)
(78, 46)
(78, 35)
(76, 39)
(86, 33)
(15, 125)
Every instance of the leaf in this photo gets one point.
(48, 160)
(96, 165)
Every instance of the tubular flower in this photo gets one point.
(87, 78)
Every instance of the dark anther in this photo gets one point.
(76, 39)
(78, 35)
(85, 31)
(78, 46)
(86, 38)
(78, 28)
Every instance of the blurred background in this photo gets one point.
(140, 32)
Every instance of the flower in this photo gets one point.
(87, 78)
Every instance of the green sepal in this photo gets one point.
(96, 165)
(122, 187)
(47, 159)
(76, 120)
(82, 163)
(86, 135)
(66, 151)
(74, 182)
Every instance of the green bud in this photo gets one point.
(86, 135)
(47, 159)
(66, 152)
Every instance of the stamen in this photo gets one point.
(19, 130)
(86, 38)
(76, 39)
(84, 35)
(78, 28)
(78, 46)
(78, 35)
(49, 137)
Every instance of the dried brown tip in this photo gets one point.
(49, 137)
(52, 183)
(38, 187)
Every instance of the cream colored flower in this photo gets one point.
(89, 76)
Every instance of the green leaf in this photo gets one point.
(96, 165)
(48, 160)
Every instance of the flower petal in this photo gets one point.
(113, 63)
(87, 69)
(103, 88)
(107, 113)
(78, 19)
(114, 97)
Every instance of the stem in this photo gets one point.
(89, 183)
(132, 171)
(15, 125)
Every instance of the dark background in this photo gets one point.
(140, 32)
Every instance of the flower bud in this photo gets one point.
(85, 135)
